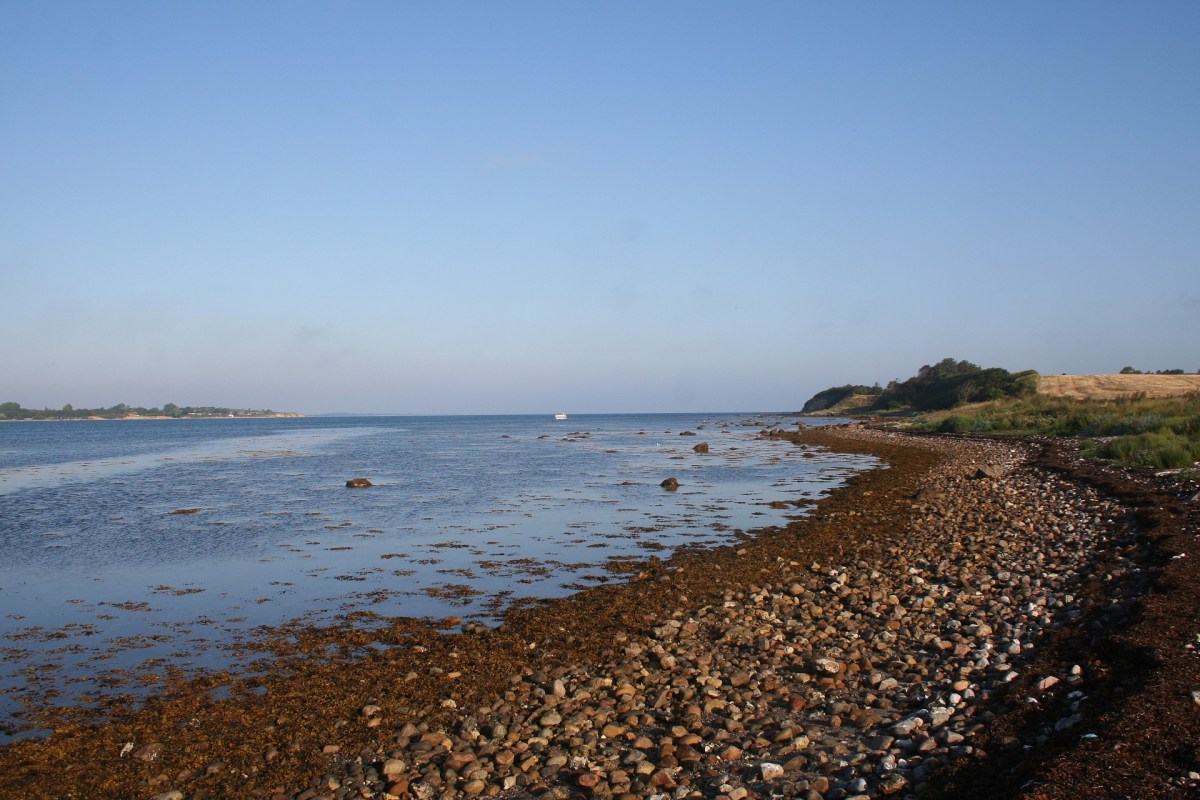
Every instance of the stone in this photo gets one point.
(940, 715)
(881, 742)
(458, 759)
(1067, 723)
(670, 484)
(358, 483)
(731, 753)
(662, 779)
(149, 752)
(701, 448)
(991, 471)
(588, 780)
(827, 666)
(771, 771)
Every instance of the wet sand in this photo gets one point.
(901, 639)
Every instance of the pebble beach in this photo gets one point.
(917, 634)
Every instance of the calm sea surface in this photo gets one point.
(101, 574)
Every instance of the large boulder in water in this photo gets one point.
(671, 484)
(358, 483)
(701, 448)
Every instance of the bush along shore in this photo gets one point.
(975, 620)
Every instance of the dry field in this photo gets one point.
(1107, 387)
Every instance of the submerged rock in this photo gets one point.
(358, 483)
(670, 484)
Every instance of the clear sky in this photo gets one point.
(494, 207)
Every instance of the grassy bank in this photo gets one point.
(1160, 433)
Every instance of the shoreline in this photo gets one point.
(686, 666)
(277, 415)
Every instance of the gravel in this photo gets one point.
(860, 676)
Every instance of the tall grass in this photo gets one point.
(1163, 433)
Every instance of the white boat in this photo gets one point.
(561, 415)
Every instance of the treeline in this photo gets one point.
(943, 385)
(1132, 371)
(122, 411)
(949, 383)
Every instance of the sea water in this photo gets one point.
(134, 546)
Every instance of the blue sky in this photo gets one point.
(620, 206)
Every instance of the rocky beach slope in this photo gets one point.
(978, 619)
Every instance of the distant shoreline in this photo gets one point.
(138, 418)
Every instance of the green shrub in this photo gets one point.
(1174, 457)
(1162, 433)
(1161, 449)
(954, 424)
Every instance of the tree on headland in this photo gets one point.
(949, 383)
(945, 384)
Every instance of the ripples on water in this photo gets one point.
(102, 573)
